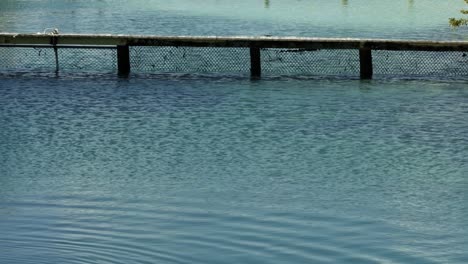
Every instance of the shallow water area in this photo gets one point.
(193, 170)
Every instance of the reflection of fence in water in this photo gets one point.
(238, 56)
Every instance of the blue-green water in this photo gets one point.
(407, 19)
(233, 171)
(193, 169)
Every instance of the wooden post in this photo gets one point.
(123, 60)
(255, 63)
(365, 61)
(54, 41)
(56, 59)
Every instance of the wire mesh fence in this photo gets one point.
(83, 59)
(190, 60)
(25, 58)
(88, 60)
(236, 61)
(420, 64)
(310, 62)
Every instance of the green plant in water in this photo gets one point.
(457, 22)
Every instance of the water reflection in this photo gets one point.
(221, 17)
(410, 5)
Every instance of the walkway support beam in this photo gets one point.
(255, 63)
(365, 63)
(123, 60)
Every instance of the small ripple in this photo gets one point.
(175, 233)
(263, 202)
(222, 77)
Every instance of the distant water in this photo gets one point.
(186, 170)
(413, 19)
(193, 169)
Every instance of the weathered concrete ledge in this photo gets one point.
(232, 41)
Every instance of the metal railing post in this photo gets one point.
(123, 60)
(255, 63)
(365, 62)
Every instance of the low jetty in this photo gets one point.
(313, 55)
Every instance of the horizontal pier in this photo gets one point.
(236, 41)
(255, 44)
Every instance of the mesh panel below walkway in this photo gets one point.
(330, 60)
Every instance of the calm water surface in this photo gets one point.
(187, 169)
(414, 19)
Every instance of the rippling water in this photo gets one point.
(187, 170)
